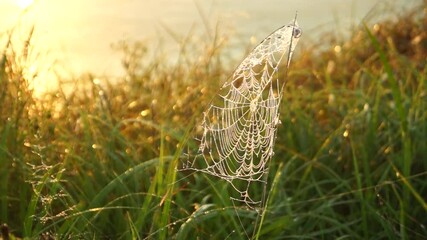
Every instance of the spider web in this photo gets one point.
(239, 126)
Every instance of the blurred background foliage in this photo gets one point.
(97, 159)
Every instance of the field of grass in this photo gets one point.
(100, 161)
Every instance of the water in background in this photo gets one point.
(78, 34)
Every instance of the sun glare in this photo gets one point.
(24, 3)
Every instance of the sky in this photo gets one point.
(78, 34)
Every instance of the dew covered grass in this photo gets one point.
(97, 159)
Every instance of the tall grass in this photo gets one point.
(99, 162)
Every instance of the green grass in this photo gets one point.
(100, 162)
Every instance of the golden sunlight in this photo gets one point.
(24, 3)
